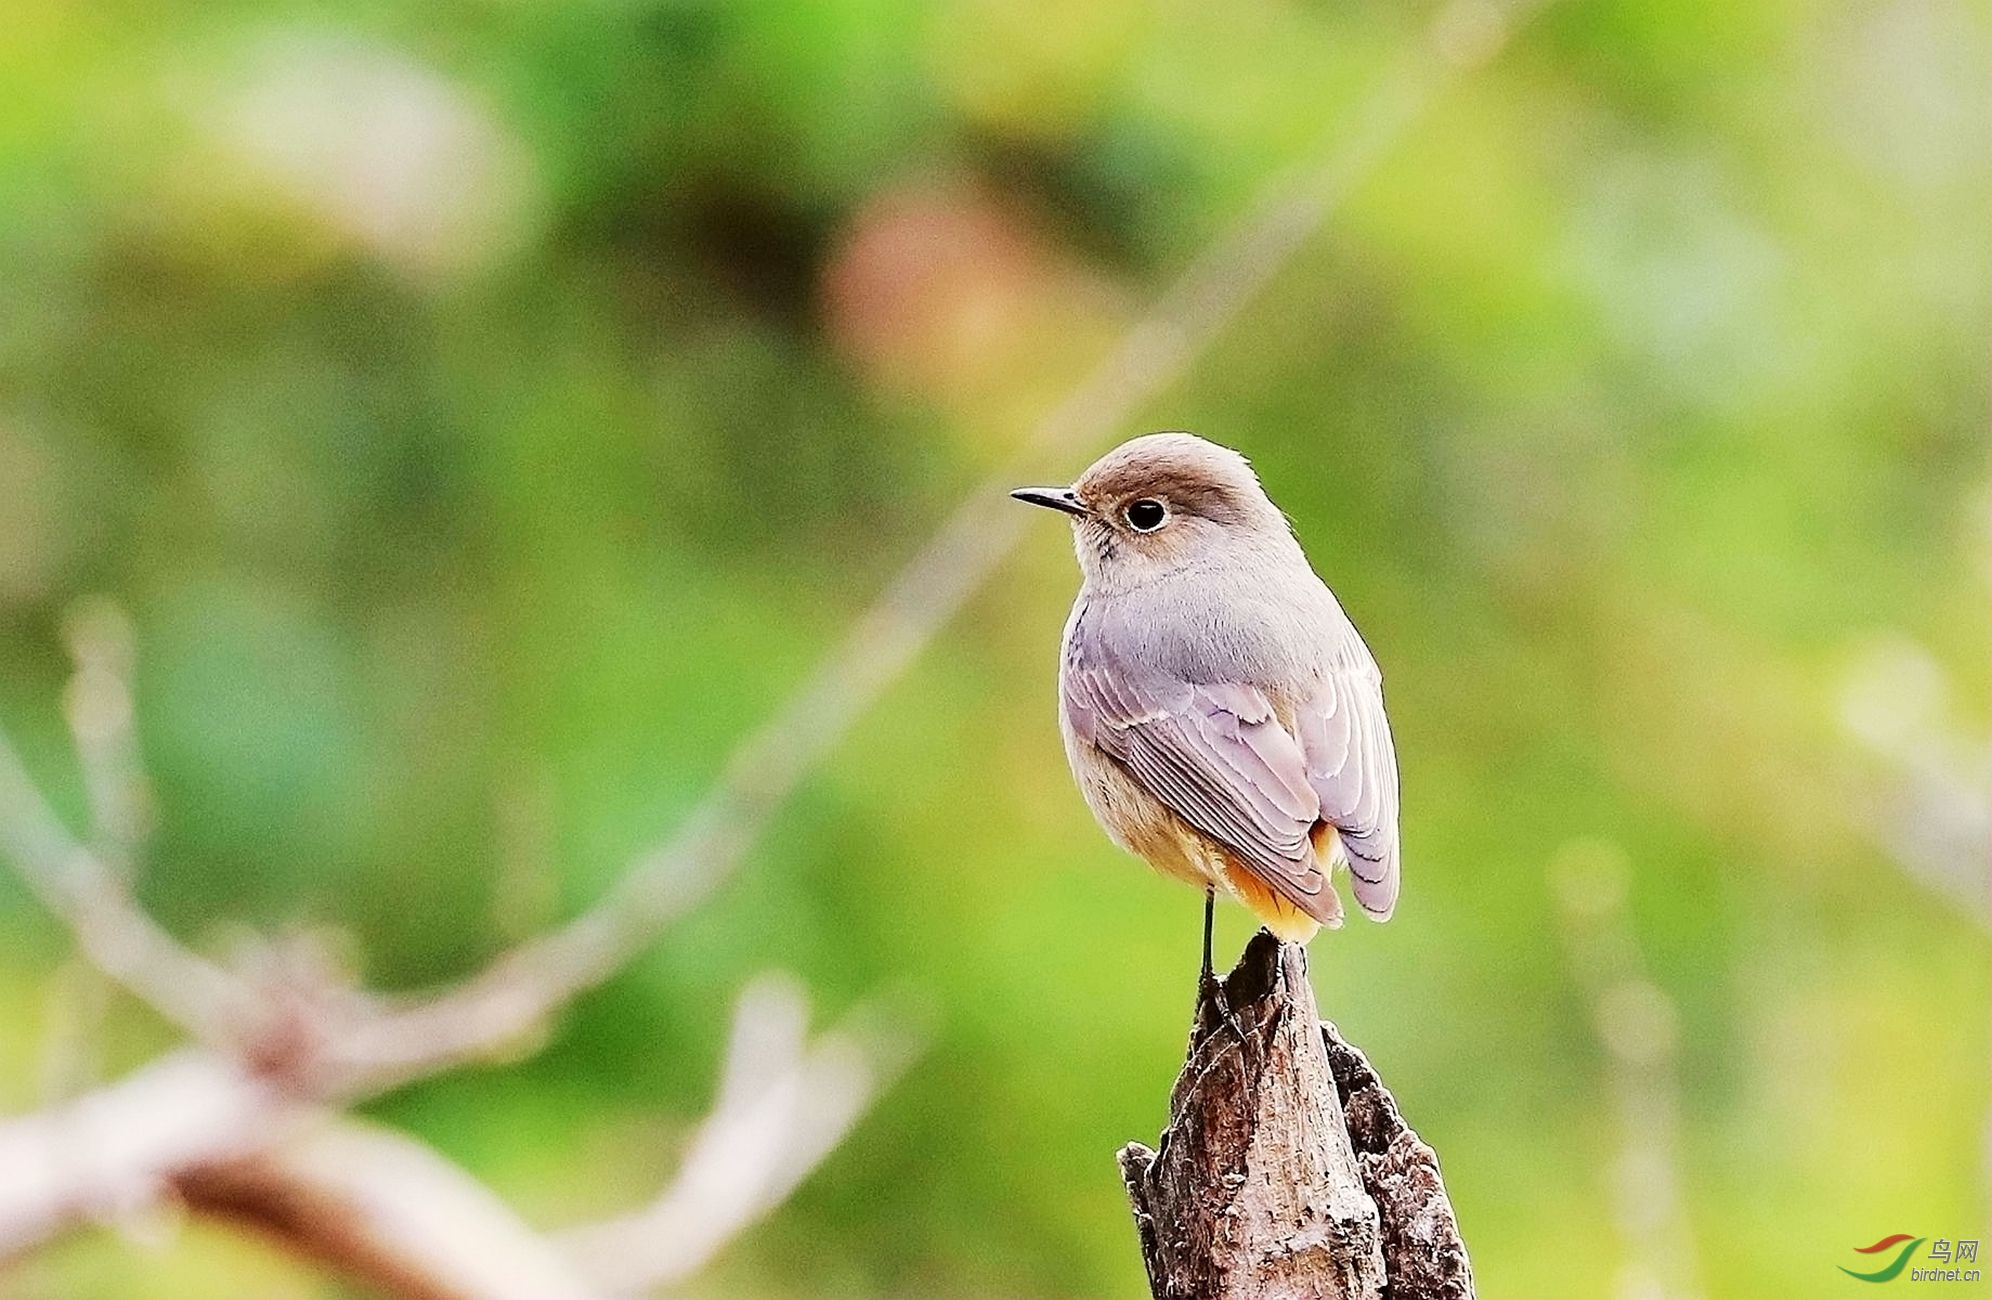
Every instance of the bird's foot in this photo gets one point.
(1211, 995)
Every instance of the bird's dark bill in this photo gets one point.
(1052, 499)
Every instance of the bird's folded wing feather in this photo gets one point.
(1352, 766)
(1217, 755)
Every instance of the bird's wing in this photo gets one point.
(1352, 766)
(1216, 755)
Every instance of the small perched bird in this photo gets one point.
(1222, 716)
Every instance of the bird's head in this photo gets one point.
(1162, 502)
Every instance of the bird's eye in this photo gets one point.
(1146, 515)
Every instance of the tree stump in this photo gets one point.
(1286, 1171)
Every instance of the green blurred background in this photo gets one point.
(487, 411)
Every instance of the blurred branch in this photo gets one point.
(222, 1132)
(784, 1103)
(112, 1152)
(89, 894)
(98, 708)
(522, 989)
(1638, 1026)
(222, 1141)
(386, 1208)
(1927, 809)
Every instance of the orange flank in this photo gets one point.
(1286, 921)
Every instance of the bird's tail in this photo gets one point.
(1373, 880)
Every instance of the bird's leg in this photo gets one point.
(1210, 915)
(1209, 986)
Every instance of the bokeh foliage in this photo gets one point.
(487, 412)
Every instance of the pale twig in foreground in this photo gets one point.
(198, 1130)
(102, 722)
(92, 898)
(784, 1104)
(385, 1207)
(230, 1133)
(111, 1152)
(97, 704)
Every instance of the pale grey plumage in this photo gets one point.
(1208, 672)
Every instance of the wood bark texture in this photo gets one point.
(1286, 1171)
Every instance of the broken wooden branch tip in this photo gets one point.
(1286, 1170)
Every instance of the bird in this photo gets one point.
(1223, 718)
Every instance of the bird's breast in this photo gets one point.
(1247, 627)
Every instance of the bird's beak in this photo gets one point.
(1053, 498)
